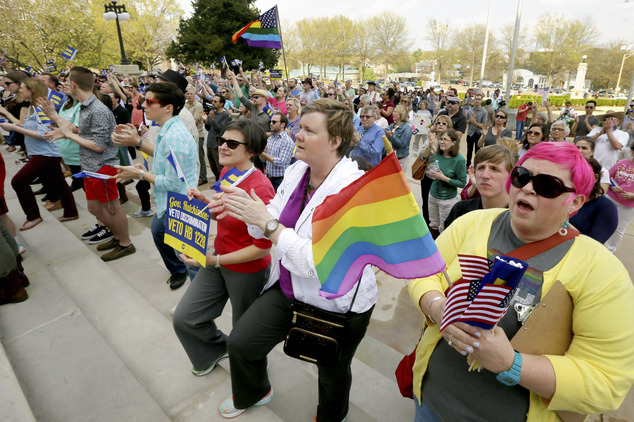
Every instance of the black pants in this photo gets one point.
(472, 142)
(266, 324)
(143, 189)
(425, 186)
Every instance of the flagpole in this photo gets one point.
(279, 23)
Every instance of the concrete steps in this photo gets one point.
(95, 340)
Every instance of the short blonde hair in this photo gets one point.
(402, 112)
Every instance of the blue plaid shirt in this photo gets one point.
(173, 133)
(280, 147)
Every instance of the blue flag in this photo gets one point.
(4, 55)
(171, 157)
(55, 97)
(223, 62)
(213, 66)
(31, 71)
(268, 110)
(69, 53)
(232, 177)
(236, 62)
(261, 65)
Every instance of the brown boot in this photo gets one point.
(25, 279)
(11, 289)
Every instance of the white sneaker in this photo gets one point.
(227, 410)
(140, 213)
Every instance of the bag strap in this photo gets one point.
(355, 294)
(529, 250)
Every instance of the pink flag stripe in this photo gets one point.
(404, 270)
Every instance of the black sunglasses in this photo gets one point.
(544, 184)
(499, 116)
(231, 143)
(453, 102)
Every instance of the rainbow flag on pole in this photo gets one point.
(375, 220)
(262, 32)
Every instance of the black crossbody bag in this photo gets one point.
(316, 335)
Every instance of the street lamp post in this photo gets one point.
(117, 12)
(626, 49)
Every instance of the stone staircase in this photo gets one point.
(95, 342)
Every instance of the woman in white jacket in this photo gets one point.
(321, 170)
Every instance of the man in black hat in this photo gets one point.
(180, 81)
(374, 96)
(308, 95)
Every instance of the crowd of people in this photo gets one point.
(301, 141)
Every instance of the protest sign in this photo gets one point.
(186, 228)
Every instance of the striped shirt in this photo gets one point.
(173, 134)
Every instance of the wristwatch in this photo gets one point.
(270, 227)
(512, 376)
(138, 147)
(141, 174)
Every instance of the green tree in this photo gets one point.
(471, 48)
(152, 26)
(561, 43)
(206, 36)
(439, 35)
(389, 36)
(362, 49)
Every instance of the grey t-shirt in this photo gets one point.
(582, 130)
(449, 388)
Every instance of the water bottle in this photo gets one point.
(433, 167)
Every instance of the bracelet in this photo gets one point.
(138, 147)
(429, 306)
(218, 261)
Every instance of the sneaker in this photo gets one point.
(118, 252)
(211, 367)
(92, 232)
(141, 213)
(177, 280)
(227, 410)
(103, 235)
(110, 244)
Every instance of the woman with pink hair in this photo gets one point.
(547, 186)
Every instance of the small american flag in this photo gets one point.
(483, 298)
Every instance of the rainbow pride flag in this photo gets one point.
(374, 220)
(262, 32)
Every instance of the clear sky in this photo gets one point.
(613, 17)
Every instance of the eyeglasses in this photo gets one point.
(331, 95)
(533, 133)
(231, 143)
(590, 107)
(255, 97)
(151, 101)
(453, 102)
(366, 116)
(544, 184)
(275, 121)
(556, 128)
(442, 123)
(500, 117)
(9, 83)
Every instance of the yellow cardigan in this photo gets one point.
(598, 370)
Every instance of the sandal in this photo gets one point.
(63, 219)
(30, 224)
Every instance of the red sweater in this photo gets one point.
(233, 234)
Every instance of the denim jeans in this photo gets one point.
(170, 258)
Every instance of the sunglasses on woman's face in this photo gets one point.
(534, 133)
(543, 184)
(231, 143)
(500, 117)
(441, 123)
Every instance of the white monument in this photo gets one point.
(580, 81)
